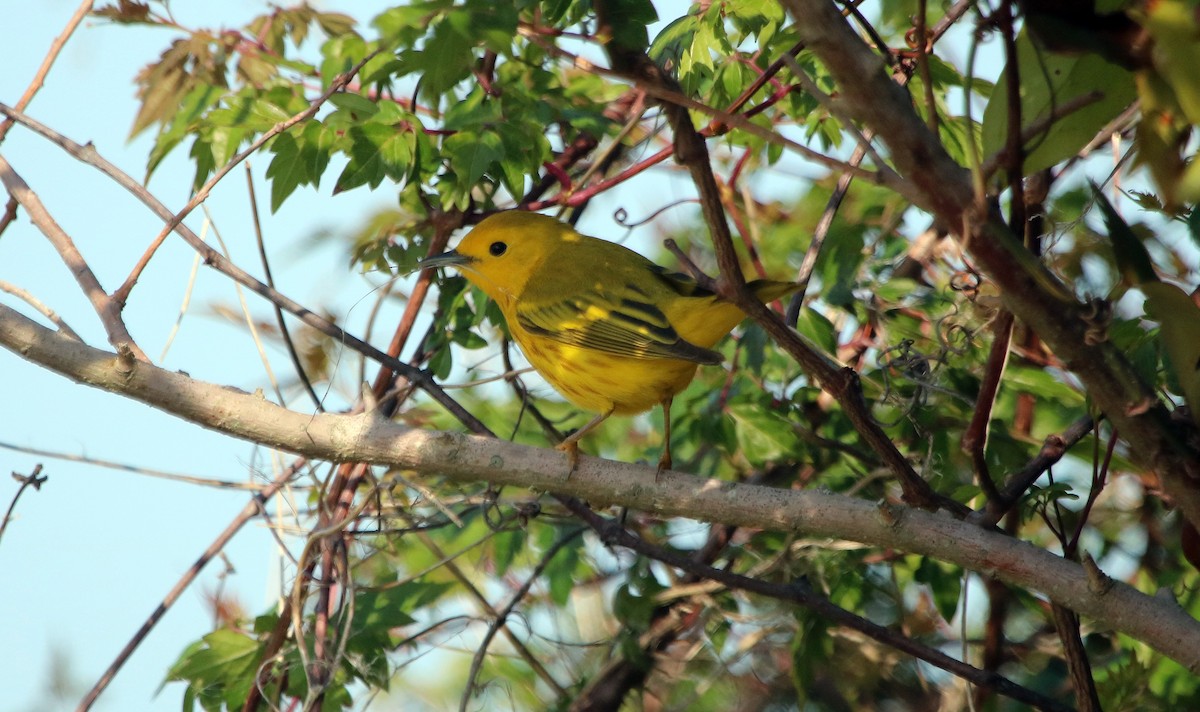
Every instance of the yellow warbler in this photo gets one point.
(613, 332)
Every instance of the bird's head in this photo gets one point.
(503, 251)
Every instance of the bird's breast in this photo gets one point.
(601, 382)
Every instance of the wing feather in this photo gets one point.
(620, 321)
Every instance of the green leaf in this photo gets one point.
(359, 106)
(560, 573)
(222, 667)
(813, 325)
(201, 154)
(316, 144)
(402, 25)
(674, 39)
(377, 151)
(763, 435)
(335, 23)
(441, 363)
(473, 154)
(628, 20)
(1193, 224)
(287, 169)
(1172, 24)
(1047, 82)
(339, 55)
(839, 264)
(446, 59)
(1133, 260)
(224, 142)
(945, 585)
(191, 109)
(1179, 329)
(506, 546)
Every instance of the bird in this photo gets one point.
(611, 331)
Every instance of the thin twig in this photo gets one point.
(10, 214)
(34, 479)
(502, 616)
(884, 176)
(255, 336)
(106, 308)
(121, 296)
(809, 263)
(454, 570)
(41, 307)
(1040, 126)
(216, 260)
(1018, 482)
(39, 78)
(279, 320)
(974, 441)
(149, 472)
(256, 503)
(185, 303)
(803, 595)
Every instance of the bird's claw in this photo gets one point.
(664, 464)
(571, 448)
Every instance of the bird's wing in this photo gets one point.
(619, 320)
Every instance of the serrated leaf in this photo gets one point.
(316, 144)
(222, 668)
(286, 171)
(472, 154)
(359, 106)
(193, 106)
(339, 54)
(162, 85)
(1047, 82)
(507, 545)
(446, 58)
(125, 12)
(201, 155)
(377, 151)
(224, 142)
(335, 23)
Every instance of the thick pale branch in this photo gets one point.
(1034, 295)
(370, 438)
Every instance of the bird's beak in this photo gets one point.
(446, 259)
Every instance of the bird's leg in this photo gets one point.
(570, 444)
(664, 462)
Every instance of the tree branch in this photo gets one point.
(1160, 623)
(106, 308)
(943, 188)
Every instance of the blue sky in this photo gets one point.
(91, 555)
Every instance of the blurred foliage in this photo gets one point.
(461, 106)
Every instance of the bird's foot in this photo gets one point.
(664, 463)
(571, 448)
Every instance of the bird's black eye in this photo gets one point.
(497, 248)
